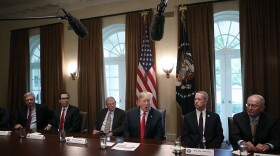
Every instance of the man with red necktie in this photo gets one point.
(32, 115)
(144, 121)
(66, 117)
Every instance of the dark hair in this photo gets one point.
(64, 92)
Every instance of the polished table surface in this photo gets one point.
(13, 145)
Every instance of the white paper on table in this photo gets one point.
(261, 154)
(5, 132)
(126, 146)
(35, 135)
(110, 143)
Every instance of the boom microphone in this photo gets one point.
(76, 25)
(157, 26)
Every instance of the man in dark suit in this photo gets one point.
(256, 129)
(144, 121)
(4, 118)
(202, 128)
(117, 116)
(66, 116)
(32, 115)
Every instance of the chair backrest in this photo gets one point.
(230, 125)
(163, 113)
(84, 118)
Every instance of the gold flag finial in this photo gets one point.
(182, 8)
(144, 14)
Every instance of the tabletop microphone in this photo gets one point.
(76, 25)
(157, 26)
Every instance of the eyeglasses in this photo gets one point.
(251, 105)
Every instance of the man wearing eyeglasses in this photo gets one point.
(254, 128)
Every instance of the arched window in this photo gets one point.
(35, 71)
(114, 62)
(227, 65)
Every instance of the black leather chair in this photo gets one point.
(163, 112)
(84, 120)
(230, 124)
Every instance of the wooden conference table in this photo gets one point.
(13, 145)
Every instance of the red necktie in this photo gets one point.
(200, 125)
(61, 125)
(143, 125)
(28, 122)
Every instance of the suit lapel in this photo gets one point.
(138, 121)
(115, 118)
(194, 118)
(148, 122)
(260, 126)
(247, 126)
(68, 113)
(207, 121)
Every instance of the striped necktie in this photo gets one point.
(108, 123)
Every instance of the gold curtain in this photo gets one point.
(260, 47)
(18, 69)
(200, 29)
(134, 31)
(91, 72)
(52, 79)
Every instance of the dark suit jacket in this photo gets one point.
(118, 125)
(72, 120)
(267, 129)
(213, 131)
(4, 118)
(43, 116)
(154, 125)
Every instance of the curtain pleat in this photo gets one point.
(260, 46)
(19, 71)
(52, 79)
(91, 72)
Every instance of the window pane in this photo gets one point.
(113, 83)
(227, 66)
(35, 71)
(114, 60)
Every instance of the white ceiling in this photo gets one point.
(29, 8)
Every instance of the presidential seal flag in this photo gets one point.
(146, 73)
(185, 81)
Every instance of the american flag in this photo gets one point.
(146, 73)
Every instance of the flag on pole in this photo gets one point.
(185, 81)
(146, 73)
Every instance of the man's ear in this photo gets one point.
(263, 107)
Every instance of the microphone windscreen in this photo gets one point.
(77, 26)
(157, 27)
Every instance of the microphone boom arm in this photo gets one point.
(161, 6)
(32, 18)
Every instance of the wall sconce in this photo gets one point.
(72, 70)
(73, 75)
(167, 68)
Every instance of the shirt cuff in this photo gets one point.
(270, 146)
(239, 142)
